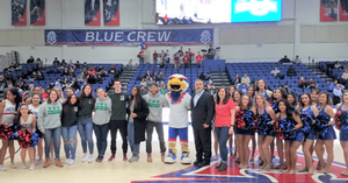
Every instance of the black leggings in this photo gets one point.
(122, 126)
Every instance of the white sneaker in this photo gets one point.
(85, 158)
(90, 159)
(67, 161)
(71, 162)
(32, 166)
(2, 168)
(24, 166)
(13, 165)
(39, 161)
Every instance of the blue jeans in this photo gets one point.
(86, 130)
(101, 133)
(131, 138)
(69, 136)
(55, 134)
(222, 136)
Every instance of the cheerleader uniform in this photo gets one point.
(299, 134)
(27, 125)
(330, 135)
(266, 95)
(343, 133)
(275, 107)
(34, 110)
(311, 134)
(8, 114)
(241, 131)
(265, 115)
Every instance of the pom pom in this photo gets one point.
(307, 121)
(264, 124)
(283, 129)
(24, 138)
(275, 107)
(320, 125)
(338, 120)
(239, 119)
(34, 139)
(249, 120)
(6, 132)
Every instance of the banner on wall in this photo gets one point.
(343, 10)
(111, 12)
(37, 12)
(129, 37)
(328, 10)
(92, 12)
(19, 12)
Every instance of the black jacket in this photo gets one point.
(204, 110)
(142, 111)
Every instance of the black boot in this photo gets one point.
(217, 167)
(223, 167)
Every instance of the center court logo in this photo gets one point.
(205, 37)
(255, 7)
(51, 37)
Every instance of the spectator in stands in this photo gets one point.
(30, 60)
(149, 82)
(337, 65)
(71, 65)
(236, 80)
(245, 80)
(58, 82)
(344, 77)
(91, 79)
(287, 89)
(285, 60)
(63, 64)
(204, 76)
(143, 90)
(291, 71)
(155, 76)
(311, 84)
(9, 84)
(91, 72)
(81, 76)
(71, 72)
(333, 85)
(297, 60)
(33, 76)
(154, 57)
(143, 82)
(212, 89)
(177, 61)
(302, 83)
(199, 59)
(160, 76)
(2, 83)
(30, 90)
(180, 52)
(345, 65)
(191, 55)
(243, 87)
(65, 72)
(99, 80)
(100, 68)
(77, 64)
(162, 57)
(56, 62)
(9, 76)
(163, 89)
(148, 75)
(113, 71)
(18, 66)
(141, 56)
(103, 73)
(75, 85)
(65, 81)
(185, 60)
(40, 76)
(11, 67)
(39, 62)
(51, 85)
(337, 94)
(125, 89)
(167, 57)
(275, 72)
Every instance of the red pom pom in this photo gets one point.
(24, 138)
(239, 119)
(338, 120)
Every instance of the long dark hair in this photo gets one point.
(328, 98)
(18, 98)
(283, 92)
(83, 95)
(17, 120)
(227, 97)
(295, 99)
(289, 109)
(68, 101)
(49, 98)
(302, 105)
(136, 98)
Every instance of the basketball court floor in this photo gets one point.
(158, 172)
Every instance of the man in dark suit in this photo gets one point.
(202, 109)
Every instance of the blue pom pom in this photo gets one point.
(34, 139)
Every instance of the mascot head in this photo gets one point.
(177, 85)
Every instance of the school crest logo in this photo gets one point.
(205, 37)
(51, 37)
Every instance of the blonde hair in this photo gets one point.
(61, 96)
(265, 103)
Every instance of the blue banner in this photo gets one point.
(129, 37)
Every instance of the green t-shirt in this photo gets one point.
(119, 102)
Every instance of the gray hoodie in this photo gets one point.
(49, 116)
(156, 104)
(102, 111)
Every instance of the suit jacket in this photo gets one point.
(204, 110)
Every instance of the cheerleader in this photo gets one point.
(85, 124)
(291, 144)
(69, 117)
(279, 94)
(26, 121)
(8, 108)
(243, 136)
(34, 108)
(315, 97)
(292, 100)
(343, 130)
(266, 134)
(326, 139)
(251, 94)
(101, 120)
(306, 107)
(49, 123)
(236, 99)
(261, 88)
